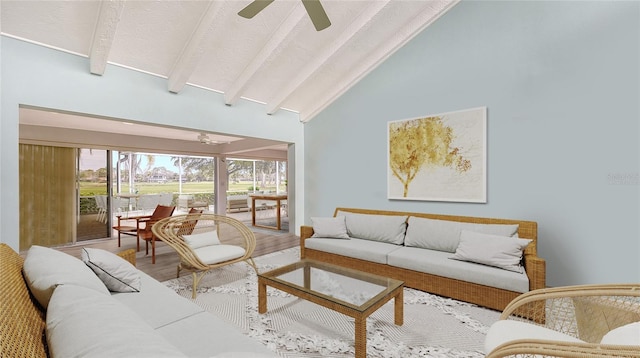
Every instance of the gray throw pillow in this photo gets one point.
(330, 227)
(504, 252)
(118, 274)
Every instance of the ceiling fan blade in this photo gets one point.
(317, 14)
(254, 8)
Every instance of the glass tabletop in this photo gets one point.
(356, 289)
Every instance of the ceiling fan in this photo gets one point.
(204, 139)
(314, 9)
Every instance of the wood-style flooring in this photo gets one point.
(167, 260)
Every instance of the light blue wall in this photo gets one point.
(560, 81)
(37, 76)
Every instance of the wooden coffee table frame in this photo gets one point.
(360, 313)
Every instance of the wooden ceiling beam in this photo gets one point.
(203, 38)
(103, 35)
(275, 41)
(322, 58)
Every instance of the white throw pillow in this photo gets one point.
(335, 228)
(84, 323)
(383, 228)
(46, 268)
(627, 335)
(444, 235)
(202, 239)
(118, 274)
(499, 251)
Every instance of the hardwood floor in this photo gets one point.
(167, 260)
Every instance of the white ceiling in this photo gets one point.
(276, 58)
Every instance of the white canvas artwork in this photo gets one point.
(439, 157)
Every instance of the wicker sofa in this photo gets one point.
(155, 322)
(361, 254)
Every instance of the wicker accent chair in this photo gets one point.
(147, 235)
(231, 233)
(567, 321)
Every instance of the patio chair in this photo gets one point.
(215, 241)
(571, 321)
(160, 212)
(147, 235)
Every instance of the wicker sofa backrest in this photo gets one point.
(22, 322)
(526, 229)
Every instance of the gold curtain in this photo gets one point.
(47, 195)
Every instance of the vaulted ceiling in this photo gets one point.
(276, 58)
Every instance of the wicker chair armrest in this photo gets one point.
(544, 294)
(305, 232)
(129, 255)
(536, 269)
(536, 348)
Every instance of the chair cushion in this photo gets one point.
(219, 253)
(504, 331)
(46, 268)
(118, 274)
(81, 322)
(331, 227)
(628, 334)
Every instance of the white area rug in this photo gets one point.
(433, 326)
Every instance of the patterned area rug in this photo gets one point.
(433, 326)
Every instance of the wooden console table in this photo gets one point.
(278, 198)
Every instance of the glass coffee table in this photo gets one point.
(353, 293)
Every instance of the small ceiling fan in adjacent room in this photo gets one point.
(204, 139)
(314, 9)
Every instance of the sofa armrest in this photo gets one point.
(305, 233)
(129, 255)
(535, 267)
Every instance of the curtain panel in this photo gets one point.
(47, 195)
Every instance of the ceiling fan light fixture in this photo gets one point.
(314, 8)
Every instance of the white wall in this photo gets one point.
(37, 76)
(560, 81)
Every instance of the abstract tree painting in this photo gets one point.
(438, 157)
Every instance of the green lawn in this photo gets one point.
(89, 188)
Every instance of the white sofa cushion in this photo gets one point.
(628, 335)
(331, 227)
(82, 322)
(504, 331)
(45, 268)
(219, 253)
(444, 235)
(439, 263)
(368, 250)
(152, 301)
(202, 239)
(504, 252)
(204, 335)
(117, 274)
(384, 228)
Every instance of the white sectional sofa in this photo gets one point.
(486, 261)
(59, 306)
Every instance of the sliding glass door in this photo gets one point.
(92, 196)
